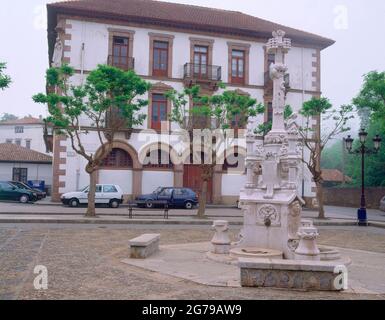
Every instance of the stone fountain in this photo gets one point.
(276, 248)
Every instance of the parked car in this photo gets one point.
(176, 197)
(22, 185)
(110, 194)
(9, 191)
(382, 204)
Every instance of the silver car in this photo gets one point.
(382, 204)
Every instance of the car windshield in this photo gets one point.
(85, 189)
(157, 190)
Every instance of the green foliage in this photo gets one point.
(8, 117)
(332, 157)
(5, 80)
(229, 108)
(265, 127)
(372, 95)
(374, 164)
(315, 107)
(106, 87)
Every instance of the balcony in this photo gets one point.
(202, 74)
(124, 63)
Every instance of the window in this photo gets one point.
(160, 56)
(18, 142)
(117, 158)
(157, 159)
(200, 60)
(19, 129)
(158, 111)
(269, 114)
(8, 141)
(28, 144)
(120, 56)
(109, 188)
(5, 186)
(270, 59)
(180, 192)
(98, 188)
(238, 66)
(20, 174)
(165, 193)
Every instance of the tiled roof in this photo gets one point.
(13, 153)
(334, 175)
(181, 16)
(25, 120)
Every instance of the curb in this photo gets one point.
(160, 222)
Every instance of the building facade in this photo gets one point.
(21, 164)
(27, 132)
(174, 46)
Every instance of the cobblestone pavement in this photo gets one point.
(84, 262)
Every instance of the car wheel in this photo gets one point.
(188, 205)
(149, 204)
(114, 203)
(24, 198)
(74, 203)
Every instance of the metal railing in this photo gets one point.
(202, 72)
(124, 63)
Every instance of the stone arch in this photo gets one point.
(121, 144)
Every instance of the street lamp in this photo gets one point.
(363, 150)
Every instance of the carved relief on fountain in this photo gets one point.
(268, 215)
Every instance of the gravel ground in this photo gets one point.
(84, 263)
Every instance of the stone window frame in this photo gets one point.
(158, 88)
(245, 47)
(114, 32)
(169, 38)
(194, 41)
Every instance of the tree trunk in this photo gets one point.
(202, 200)
(91, 213)
(320, 199)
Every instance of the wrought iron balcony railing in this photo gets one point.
(202, 72)
(124, 63)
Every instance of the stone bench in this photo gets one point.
(143, 246)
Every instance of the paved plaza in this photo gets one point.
(85, 262)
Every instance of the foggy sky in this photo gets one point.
(357, 26)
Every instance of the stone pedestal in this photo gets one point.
(221, 241)
(307, 248)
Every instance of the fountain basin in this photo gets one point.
(254, 252)
(328, 254)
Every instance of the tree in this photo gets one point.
(5, 80)
(108, 102)
(222, 111)
(372, 95)
(315, 141)
(8, 117)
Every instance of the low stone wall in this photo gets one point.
(351, 197)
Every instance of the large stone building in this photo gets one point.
(173, 46)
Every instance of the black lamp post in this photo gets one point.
(363, 150)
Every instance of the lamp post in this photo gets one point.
(363, 150)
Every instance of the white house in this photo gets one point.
(173, 46)
(26, 132)
(21, 164)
